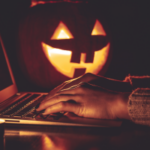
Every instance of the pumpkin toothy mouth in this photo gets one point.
(61, 60)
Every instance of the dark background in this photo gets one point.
(129, 25)
(5, 79)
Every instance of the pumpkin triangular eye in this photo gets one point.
(98, 29)
(61, 32)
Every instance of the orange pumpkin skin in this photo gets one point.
(38, 27)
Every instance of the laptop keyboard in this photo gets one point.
(21, 105)
(25, 107)
(14, 104)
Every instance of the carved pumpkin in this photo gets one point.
(62, 41)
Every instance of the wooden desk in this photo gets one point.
(128, 137)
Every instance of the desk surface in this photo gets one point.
(128, 136)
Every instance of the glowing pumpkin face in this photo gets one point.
(62, 41)
(61, 59)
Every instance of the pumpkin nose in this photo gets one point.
(83, 45)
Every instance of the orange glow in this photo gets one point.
(2, 121)
(98, 29)
(61, 59)
(47, 142)
(62, 32)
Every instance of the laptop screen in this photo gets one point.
(5, 78)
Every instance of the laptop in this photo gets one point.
(20, 107)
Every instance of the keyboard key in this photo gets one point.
(24, 104)
(31, 107)
(15, 104)
(21, 104)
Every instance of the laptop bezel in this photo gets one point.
(12, 89)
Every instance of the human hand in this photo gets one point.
(101, 81)
(88, 100)
(84, 78)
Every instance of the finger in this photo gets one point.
(71, 87)
(57, 99)
(78, 89)
(64, 107)
(54, 91)
(75, 92)
(84, 78)
(72, 82)
(64, 85)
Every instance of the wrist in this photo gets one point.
(121, 106)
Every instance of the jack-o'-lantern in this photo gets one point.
(61, 41)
